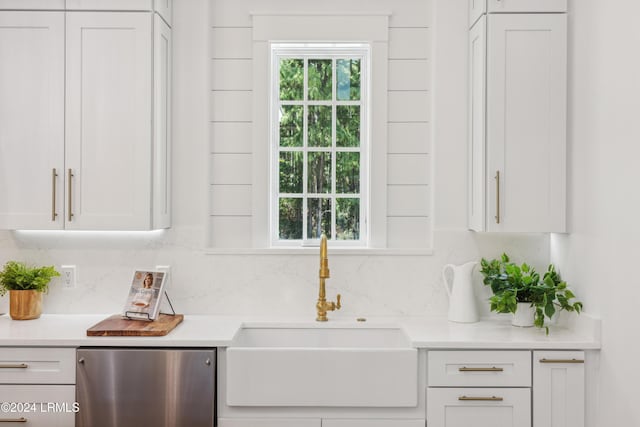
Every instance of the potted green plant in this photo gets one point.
(25, 285)
(519, 289)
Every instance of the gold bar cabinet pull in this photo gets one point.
(561, 361)
(13, 420)
(14, 366)
(497, 197)
(54, 175)
(492, 369)
(481, 398)
(69, 187)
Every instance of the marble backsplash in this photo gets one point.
(207, 283)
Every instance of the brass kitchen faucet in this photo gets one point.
(322, 306)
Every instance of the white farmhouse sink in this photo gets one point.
(317, 364)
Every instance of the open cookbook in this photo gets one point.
(145, 295)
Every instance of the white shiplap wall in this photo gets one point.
(409, 218)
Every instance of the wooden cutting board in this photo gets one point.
(116, 326)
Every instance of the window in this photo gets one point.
(319, 144)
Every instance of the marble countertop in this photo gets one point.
(57, 330)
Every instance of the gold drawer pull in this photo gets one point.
(13, 420)
(492, 369)
(481, 398)
(14, 366)
(561, 361)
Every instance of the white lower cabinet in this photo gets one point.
(479, 388)
(479, 407)
(317, 422)
(373, 423)
(38, 405)
(37, 386)
(269, 422)
(558, 389)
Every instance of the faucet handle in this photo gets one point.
(338, 302)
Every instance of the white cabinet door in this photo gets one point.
(48, 405)
(108, 120)
(269, 422)
(558, 389)
(372, 423)
(31, 120)
(478, 407)
(526, 122)
(533, 6)
(477, 124)
(162, 48)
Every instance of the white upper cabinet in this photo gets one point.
(31, 119)
(517, 137)
(163, 7)
(479, 7)
(85, 120)
(108, 120)
(519, 6)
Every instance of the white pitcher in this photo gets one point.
(462, 301)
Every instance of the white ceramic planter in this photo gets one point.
(523, 317)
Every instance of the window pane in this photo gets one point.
(348, 79)
(291, 79)
(319, 126)
(291, 117)
(320, 79)
(347, 172)
(319, 168)
(348, 219)
(291, 172)
(348, 126)
(318, 218)
(290, 226)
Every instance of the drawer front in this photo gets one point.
(479, 407)
(479, 369)
(38, 405)
(37, 366)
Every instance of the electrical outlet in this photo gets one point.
(68, 273)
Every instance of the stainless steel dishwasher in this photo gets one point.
(133, 387)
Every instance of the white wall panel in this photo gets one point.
(231, 74)
(230, 137)
(408, 200)
(230, 231)
(410, 106)
(404, 13)
(408, 169)
(231, 106)
(409, 75)
(238, 26)
(231, 43)
(231, 169)
(409, 232)
(409, 43)
(230, 200)
(409, 137)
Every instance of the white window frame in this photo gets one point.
(333, 51)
